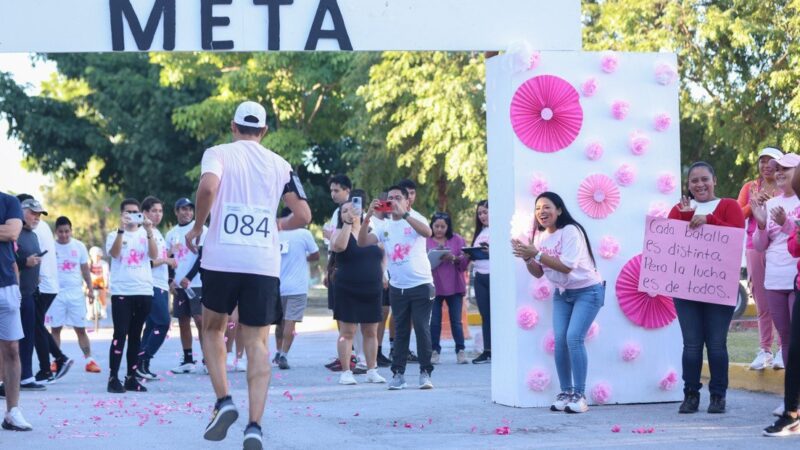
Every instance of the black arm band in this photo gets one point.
(196, 267)
(295, 186)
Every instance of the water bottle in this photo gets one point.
(190, 293)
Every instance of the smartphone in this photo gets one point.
(357, 204)
(136, 218)
(41, 254)
(385, 206)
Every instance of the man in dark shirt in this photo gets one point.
(10, 322)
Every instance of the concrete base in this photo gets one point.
(741, 377)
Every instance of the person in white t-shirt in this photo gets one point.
(157, 324)
(69, 306)
(241, 185)
(131, 249)
(298, 249)
(411, 290)
(561, 252)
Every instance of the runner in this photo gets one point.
(131, 248)
(69, 306)
(186, 286)
(240, 186)
(10, 318)
(157, 323)
(298, 248)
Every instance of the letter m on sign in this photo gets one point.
(122, 9)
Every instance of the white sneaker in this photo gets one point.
(200, 369)
(762, 361)
(777, 412)
(230, 363)
(184, 367)
(374, 377)
(461, 357)
(347, 378)
(15, 421)
(435, 357)
(777, 361)
(361, 365)
(240, 365)
(577, 404)
(561, 401)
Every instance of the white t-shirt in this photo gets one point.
(569, 246)
(160, 273)
(781, 267)
(405, 250)
(48, 269)
(705, 208)
(130, 273)
(296, 245)
(332, 224)
(482, 265)
(176, 243)
(243, 237)
(70, 257)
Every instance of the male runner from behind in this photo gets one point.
(241, 185)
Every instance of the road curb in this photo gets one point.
(741, 377)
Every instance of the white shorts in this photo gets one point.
(10, 318)
(67, 310)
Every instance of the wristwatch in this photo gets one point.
(406, 215)
(120, 231)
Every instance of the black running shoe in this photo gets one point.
(483, 358)
(283, 363)
(225, 414)
(784, 426)
(691, 402)
(32, 386)
(717, 404)
(143, 370)
(253, 439)
(62, 366)
(45, 377)
(115, 386)
(412, 358)
(132, 384)
(383, 361)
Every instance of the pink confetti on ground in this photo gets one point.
(473, 429)
(644, 430)
(502, 431)
(615, 429)
(288, 395)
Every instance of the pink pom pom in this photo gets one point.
(669, 381)
(522, 226)
(609, 247)
(589, 87)
(601, 393)
(630, 351)
(625, 175)
(537, 380)
(541, 289)
(658, 209)
(662, 122)
(638, 143)
(620, 109)
(549, 343)
(666, 74)
(533, 63)
(538, 184)
(666, 183)
(609, 62)
(594, 330)
(594, 151)
(527, 317)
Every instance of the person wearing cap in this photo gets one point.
(776, 222)
(763, 188)
(11, 331)
(186, 284)
(705, 324)
(241, 186)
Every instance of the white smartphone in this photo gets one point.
(137, 218)
(357, 204)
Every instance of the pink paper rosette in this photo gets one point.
(546, 113)
(662, 122)
(647, 311)
(598, 196)
(527, 317)
(601, 393)
(538, 380)
(625, 175)
(594, 150)
(609, 247)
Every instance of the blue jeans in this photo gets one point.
(704, 324)
(483, 299)
(157, 325)
(574, 311)
(454, 304)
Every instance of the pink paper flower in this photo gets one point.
(647, 311)
(534, 60)
(538, 184)
(639, 143)
(625, 175)
(630, 351)
(589, 87)
(598, 196)
(594, 331)
(537, 380)
(549, 343)
(546, 113)
(601, 393)
(658, 209)
(609, 247)
(662, 122)
(620, 109)
(522, 225)
(669, 381)
(609, 62)
(527, 317)
(541, 289)
(666, 183)
(666, 74)
(594, 150)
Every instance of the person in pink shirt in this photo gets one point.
(762, 188)
(776, 222)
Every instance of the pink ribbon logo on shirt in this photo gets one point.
(67, 266)
(181, 252)
(400, 252)
(134, 258)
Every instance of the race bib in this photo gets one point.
(245, 225)
(284, 247)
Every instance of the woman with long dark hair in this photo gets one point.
(561, 252)
(481, 280)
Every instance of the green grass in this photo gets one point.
(743, 345)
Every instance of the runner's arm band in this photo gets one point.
(295, 186)
(196, 267)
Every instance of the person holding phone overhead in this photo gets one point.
(704, 324)
(561, 252)
(480, 269)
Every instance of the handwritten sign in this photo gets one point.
(700, 264)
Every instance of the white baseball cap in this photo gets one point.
(250, 114)
(774, 153)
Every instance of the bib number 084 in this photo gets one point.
(245, 225)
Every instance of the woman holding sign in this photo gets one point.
(705, 324)
(561, 252)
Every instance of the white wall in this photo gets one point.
(511, 165)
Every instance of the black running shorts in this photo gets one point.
(257, 296)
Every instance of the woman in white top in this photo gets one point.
(561, 252)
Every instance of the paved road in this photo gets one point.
(308, 409)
